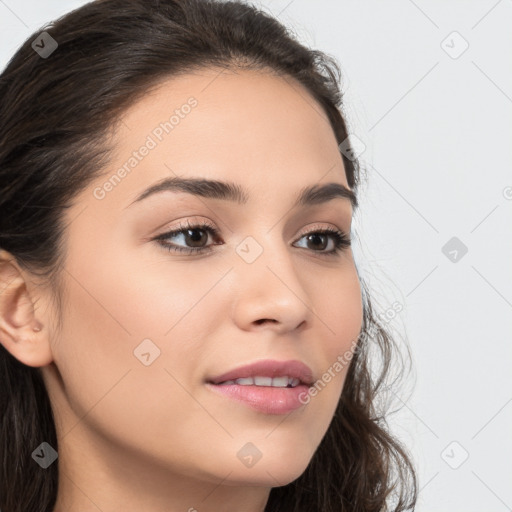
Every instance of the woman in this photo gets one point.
(182, 322)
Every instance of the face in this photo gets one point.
(150, 317)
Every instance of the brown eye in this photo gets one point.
(318, 239)
(195, 238)
(322, 238)
(198, 237)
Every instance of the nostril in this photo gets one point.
(259, 322)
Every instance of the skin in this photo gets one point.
(136, 437)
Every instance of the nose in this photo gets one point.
(269, 294)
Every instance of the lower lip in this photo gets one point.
(266, 399)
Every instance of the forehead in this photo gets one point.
(251, 127)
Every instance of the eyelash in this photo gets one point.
(341, 241)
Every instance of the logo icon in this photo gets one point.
(249, 455)
(454, 249)
(146, 352)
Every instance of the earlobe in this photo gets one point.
(21, 333)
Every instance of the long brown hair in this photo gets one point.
(55, 114)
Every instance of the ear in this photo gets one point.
(21, 333)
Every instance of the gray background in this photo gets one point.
(436, 127)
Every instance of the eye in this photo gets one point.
(197, 234)
(189, 232)
(324, 236)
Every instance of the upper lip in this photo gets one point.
(269, 368)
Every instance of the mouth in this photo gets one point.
(268, 373)
(270, 387)
(274, 382)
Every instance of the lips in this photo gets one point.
(268, 368)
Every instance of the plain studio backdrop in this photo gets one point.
(428, 93)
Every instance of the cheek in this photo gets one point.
(338, 319)
(339, 310)
(107, 386)
(160, 295)
(117, 305)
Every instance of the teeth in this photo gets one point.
(245, 382)
(276, 382)
(263, 381)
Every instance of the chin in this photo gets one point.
(275, 478)
(274, 472)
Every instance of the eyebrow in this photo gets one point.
(229, 191)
